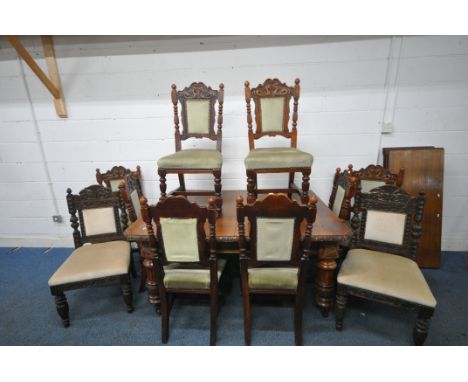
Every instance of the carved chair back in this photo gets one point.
(344, 188)
(272, 99)
(180, 230)
(387, 219)
(115, 176)
(375, 176)
(98, 217)
(198, 113)
(130, 192)
(275, 235)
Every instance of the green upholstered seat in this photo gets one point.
(197, 159)
(386, 274)
(273, 278)
(94, 261)
(277, 157)
(178, 276)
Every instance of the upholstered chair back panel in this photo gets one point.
(114, 184)
(272, 109)
(180, 239)
(136, 203)
(387, 227)
(198, 116)
(367, 185)
(99, 221)
(340, 193)
(274, 239)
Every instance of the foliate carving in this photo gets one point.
(390, 197)
(197, 90)
(115, 173)
(95, 192)
(377, 172)
(272, 88)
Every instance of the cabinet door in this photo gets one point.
(424, 170)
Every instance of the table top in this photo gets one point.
(327, 227)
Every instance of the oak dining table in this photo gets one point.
(327, 233)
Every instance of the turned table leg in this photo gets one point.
(325, 280)
(151, 284)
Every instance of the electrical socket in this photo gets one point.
(57, 218)
(387, 128)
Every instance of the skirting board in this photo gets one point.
(36, 241)
(448, 244)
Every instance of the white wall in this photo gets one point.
(117, 95)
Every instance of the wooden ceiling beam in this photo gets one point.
(53, 83)
(52, 68)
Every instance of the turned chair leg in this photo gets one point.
(421, 328)
(62, 308)
(214, 315)
(126, 286)
(341, 299)
(305, 185)
(251, 184)
(247, 327)
(298, 309)
(164, 318)
(217, 187)
(162, 182)
(290, 184)
(182, 182)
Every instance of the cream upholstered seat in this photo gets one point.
(178, 276)
(273, 278)
(94, 261)
(192, 159)
(277, 157)
(387, 274)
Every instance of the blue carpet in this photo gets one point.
(98, 315)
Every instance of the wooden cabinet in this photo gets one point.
(424, 170)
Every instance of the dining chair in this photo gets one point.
(380, 265)
(273, 259)
(185, 256)
(101, 255)
(272, 112)
(130, 193)
(198, 121)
